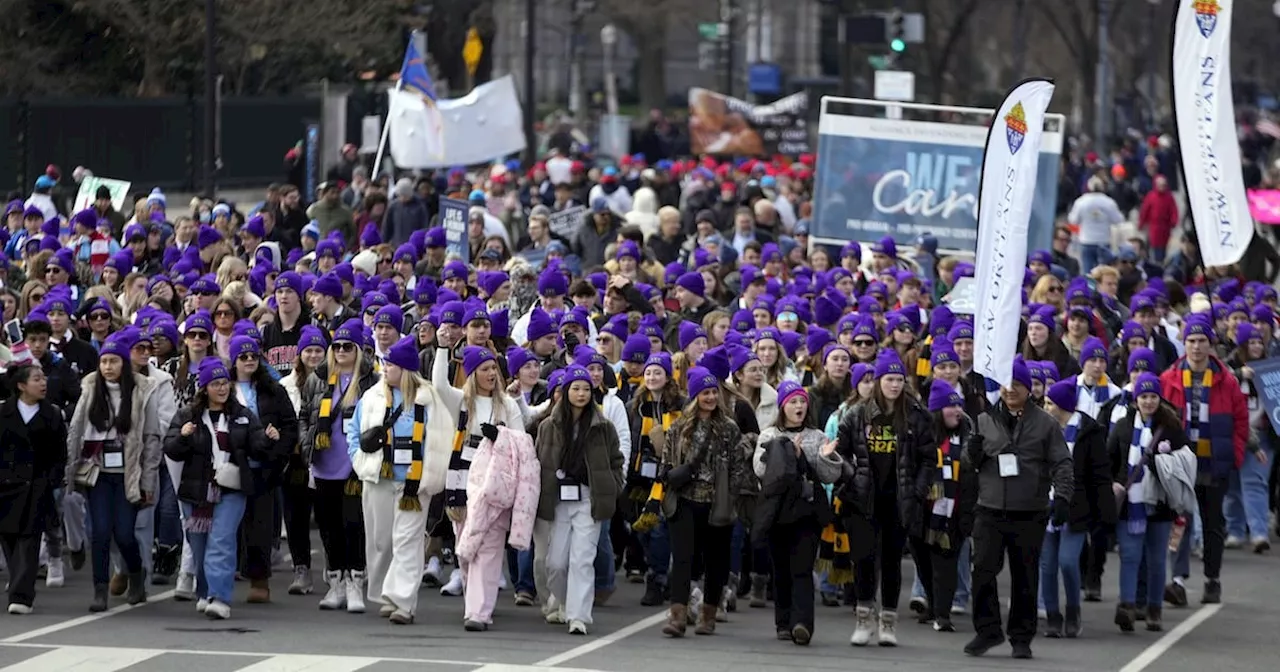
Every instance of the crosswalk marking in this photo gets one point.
(304, 663)
(83, 659)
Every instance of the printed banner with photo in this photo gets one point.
(907, 178)
(720, 124)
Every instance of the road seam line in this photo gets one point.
(1162, 645)
(611, 638)
(83, 620)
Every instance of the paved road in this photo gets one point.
(292, 635)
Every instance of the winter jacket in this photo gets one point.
(1228, 417)
(1042, 459)
(1092, 502)
(276, 410)
(245, 437)
(437, 439)
(141, 445)
(504, 481)
(791, 490)
(1118, 443)
(1159, 216)
(826, 469)
(924, 467)
(604, 466)
(313, 392)
(852, 445)
(32, 465)
(403, 218)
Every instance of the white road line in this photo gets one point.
(253, 654)
(1162, 645)
(596, 644)
(83, 659)
(301, 663)
(82, 620)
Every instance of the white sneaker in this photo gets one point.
(958, 610)
(431, 574)
(863, 626)
(556, 616)
(577, 628)
(549, 607)
(336, 598)
(1233, 542)
(55, 577)
(21, 609)
(888, 634)
(454, 587)
(218, 610)
(201, 605)
(695, 604)
(185, 591)
(355, 593)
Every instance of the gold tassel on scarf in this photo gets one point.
(324, 425)
(649, 518)
(353, 486)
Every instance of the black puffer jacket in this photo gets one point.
(1092, 502)
(923, 463)
(275, 409)
(245, 437)
(851, 443)
(313, 391)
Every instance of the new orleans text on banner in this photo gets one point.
(906, 178)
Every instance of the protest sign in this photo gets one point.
(453, 217)
(1266, 377)
(89, 191)
(720, 124)
(566, 222)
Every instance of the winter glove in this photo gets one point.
(489, 431)
(1061, 511)
(680, 476)
(974, 448)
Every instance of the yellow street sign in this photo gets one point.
(472, 50)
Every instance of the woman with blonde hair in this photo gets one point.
(32, 294)
(328, 402)
(773, 357)
(716, 324)
(1050, 291)
(477, 409)
(398, 442)
(231, 269)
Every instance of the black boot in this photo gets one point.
(1072, 622)
(165, 565)
(99, 602)
(137, 589)
(652, 592)
(1124, 617)
(1212, 592)
(1053, 627)
(1093, 589)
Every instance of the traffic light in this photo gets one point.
(896, 29)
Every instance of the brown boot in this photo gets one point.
(119, 584)
(706, 620)
(259, 592)
(676, 621)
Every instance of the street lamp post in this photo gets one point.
(210, 98)
(609, 38)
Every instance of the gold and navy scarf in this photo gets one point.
(834, 555)
(324, 424)
(944, 494)
(1198, 422)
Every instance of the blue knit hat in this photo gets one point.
(198, 320)
(117, 344)
(351, 331)
(390, 315)
(311, 335)
(404, 353)
(636, 349)
(1198, 324)
(789, 389)
(240, 345)
(517, 357)
(1093, 348)
(574, 373)
(690, 332)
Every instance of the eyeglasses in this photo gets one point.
(863, 343)
(219, 383)
(247, 357)
(143, 347)
(197, 335)
(344, 346)
(96, 317)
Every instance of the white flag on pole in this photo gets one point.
(485, 123)
(1205, 119)
(1008, 186)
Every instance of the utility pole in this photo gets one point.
(530, 98)
(1019, 39)
(1102, 96)
(726, 43)
(210, 98)
(576, 98)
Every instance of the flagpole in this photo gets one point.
(386, 128)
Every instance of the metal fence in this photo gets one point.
(150, 142)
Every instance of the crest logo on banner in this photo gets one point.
(1207, 16)
(1015, 127)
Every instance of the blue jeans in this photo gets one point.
(1093, 255)
(1248, 504)
(520, 570)
(657, 550)
(168, 521)
(214, 552)
(1154, 543)
(604, 559)
(1060, 552)
(112, 518)
(917, 589)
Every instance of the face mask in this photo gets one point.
(206, 217)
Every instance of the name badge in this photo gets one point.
(112, 455)
(649, 469)
(946, 472)
(468, 453)
(1008, 465)
(570, 492)
(402, 456)
(943, 507)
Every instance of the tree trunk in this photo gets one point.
(153, 84)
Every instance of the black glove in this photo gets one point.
(680, 476)
(570, 342)
(489, 431)
(1061, 511)
(974, 448)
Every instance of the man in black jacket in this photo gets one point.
(1018, 451)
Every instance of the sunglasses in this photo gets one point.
(143, 347)
(197, 335)
(205, 293)
(1055, 289)
(224, 313)
(54, 269)
(862, 343)
(36, 298)
(344, 346)
(904, 328)
(386, 260)
(247, 357)
(97, 317)
(371, 312)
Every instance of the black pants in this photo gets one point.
(792, 549)
(22, 554)
(1017, 534)
(340, 518)
(694, 538)
(937, 569)
(297, 521)
(1093, 557)
(259, 527)
(886, 562)
(1210, 497)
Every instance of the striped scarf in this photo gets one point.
(464, 449)
(1197, 413)
(1101, 390)
(652, 415)
(944, 492)
(1138, 444)
(833, 549)
(1069, 434)
(324, 422)
(409, 497)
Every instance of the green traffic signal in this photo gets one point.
(898, 44)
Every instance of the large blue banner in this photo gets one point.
(908, 178)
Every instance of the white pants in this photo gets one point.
(571, 556)
(482, 575)
(393, 545)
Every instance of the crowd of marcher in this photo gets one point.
(678, 389)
